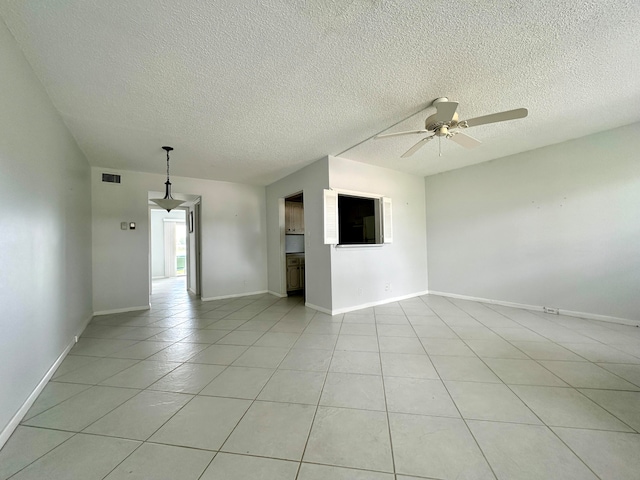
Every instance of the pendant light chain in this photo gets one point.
(168, 202)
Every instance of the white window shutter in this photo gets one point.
(330, 217)
(387, 224)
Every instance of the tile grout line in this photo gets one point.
(313, 420)
(384, 393)
(457, 408)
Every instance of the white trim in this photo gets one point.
(191, 290)
(122, 310)
(537, 308)
(320, 309)
(379, 302)
(235, 295)
(338, 311)
(275, 294)
(355, 193)
(22, 411)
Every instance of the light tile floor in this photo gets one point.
(261, 387)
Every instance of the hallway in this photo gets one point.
(262, 387)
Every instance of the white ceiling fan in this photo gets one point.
(445, 123)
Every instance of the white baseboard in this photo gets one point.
(540, 308)
(279, 295)
(22, 411)
(191, 290)
(316, 307)
(121, 310)
(338, 311)
(235, 295)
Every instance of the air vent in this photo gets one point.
(110, 178)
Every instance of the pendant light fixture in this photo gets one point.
(168, 203)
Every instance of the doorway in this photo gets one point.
(294, 244)
(168, 246)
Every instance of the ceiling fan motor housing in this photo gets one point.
(433, 125)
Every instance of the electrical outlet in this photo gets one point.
(75, 339)
(387, 287)
(360, 291)
(551, 310)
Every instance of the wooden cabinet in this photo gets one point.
(293, 217)
(295, 272)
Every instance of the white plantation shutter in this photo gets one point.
(330, 217)
(387, 224)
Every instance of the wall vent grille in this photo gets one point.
(111, 178)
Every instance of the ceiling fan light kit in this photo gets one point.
(445, 123)
(168, 202)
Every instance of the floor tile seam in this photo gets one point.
(46, 453)
(608, 411)
(384, 391)
(25, 418)
(315, 413)
(553, 432)
(104, 379)
(215, 454)
(94, 359)
(598, 361)
(118, 406)
(581, 394)
(226, 367)
(612, 345)
(460, 413)
(253, 401)
(101, 384)
(367, 470)
(123, 460)
(530, 359)
(102, 416)
(179, 410)
(617, 432)
(606, 370)
(514, 393)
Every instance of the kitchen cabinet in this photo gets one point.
(295, 272)
(294, 217)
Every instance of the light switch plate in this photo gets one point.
(124, 225)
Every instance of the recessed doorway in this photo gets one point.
(294, 244)
(168, 243)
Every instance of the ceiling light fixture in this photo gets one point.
(168, 203)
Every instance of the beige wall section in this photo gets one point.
(558, 226)
(45, 244)
(233, 238)
(376, 274)
(311, 180)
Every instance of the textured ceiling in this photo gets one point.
(252, 90)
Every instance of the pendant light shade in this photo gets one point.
(168, 202)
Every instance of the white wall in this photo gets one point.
(359, 276)
(233, 238)
(45, 237)
(157, 237)
(558, 226)
(311, 180)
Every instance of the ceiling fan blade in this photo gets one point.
(498, 117)
(465, 140)
(409, 132)
(446, 111)
(417, 147)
